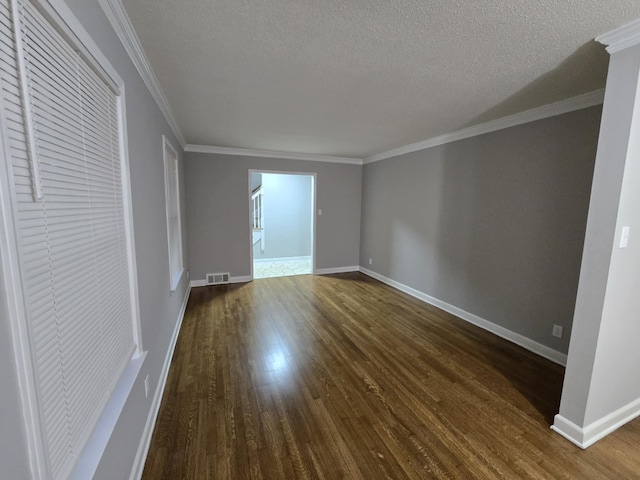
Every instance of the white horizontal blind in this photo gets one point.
(173, 214)
(73, 250)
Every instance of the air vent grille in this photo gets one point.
(217, 278)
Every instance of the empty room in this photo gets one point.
(319, 240)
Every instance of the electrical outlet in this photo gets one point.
(371, 261)
(557, 331)
(146, 386)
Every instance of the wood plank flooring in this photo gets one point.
(342, 377)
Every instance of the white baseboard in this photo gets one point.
(329, 271)
(203, 282)
(587, 436)
(531, 345)
(145, 441)
(243, 279)
(282, 259)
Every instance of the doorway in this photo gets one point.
(281, 207)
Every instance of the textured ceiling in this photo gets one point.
(354, 78)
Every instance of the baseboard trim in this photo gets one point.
(145, 441)
(203, 282)
(329, 271)
(531, 345)
(587, 436)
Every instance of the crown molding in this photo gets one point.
(246, 152)
(622, 37)
(121, 23)
(551, 110)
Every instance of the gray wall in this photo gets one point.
(604, 357)
(159, 309)
(493, 224)
(218, 211)
(287, 216)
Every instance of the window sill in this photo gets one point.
(175, 281)
(92, 453)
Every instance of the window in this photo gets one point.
(62, 123)
(174, 224)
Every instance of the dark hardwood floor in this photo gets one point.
(343, 377)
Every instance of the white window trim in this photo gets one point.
(61, 16)
(174, 277)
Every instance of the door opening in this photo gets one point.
(281, 207)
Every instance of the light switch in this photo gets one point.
(319, 211)
(624, 238)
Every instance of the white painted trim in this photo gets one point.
(282, 259)
(145, 440)
(128, 220)
(329, 271)
(587, 436)
(246, 152)
(120, 22)
(314, 221)
(568, 430)
(198, 283)
(521, 340)
(242, 279)
(546, 111)
(622, 37)
(174, 277)
(249, 174)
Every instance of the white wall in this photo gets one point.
(287, 206)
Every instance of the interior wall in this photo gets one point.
(218, 211)
(287, 206)
(159, 309)
(493, 224)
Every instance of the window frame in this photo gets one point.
(62, 19)
(172, 178)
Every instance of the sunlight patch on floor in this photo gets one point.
(281, 268)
